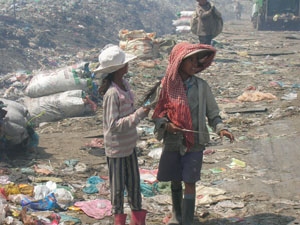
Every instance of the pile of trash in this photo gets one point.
(45, 96)
(62, 93)
(36, 34)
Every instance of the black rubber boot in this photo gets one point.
(188, 209)
(176, 207)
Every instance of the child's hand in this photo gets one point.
(172, 128)
(146, 109)
(227, 134)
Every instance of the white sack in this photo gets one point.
(186, 13)
(139, 43)
(126, 35)
(141, 47)
(15, 121)
(58, 106)
(183, 29)
(52, 82)
(184, 21)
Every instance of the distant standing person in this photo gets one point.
(120, 135)
(238, 8)
(207, 22)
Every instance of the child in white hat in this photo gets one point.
(120, 135)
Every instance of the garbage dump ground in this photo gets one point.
(256, 81)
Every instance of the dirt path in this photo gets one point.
(277, 157)
(70, 145)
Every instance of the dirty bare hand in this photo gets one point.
(228, 134)
(172, 128)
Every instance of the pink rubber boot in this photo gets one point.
(138, 217)
(120, 219)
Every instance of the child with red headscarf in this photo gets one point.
(184, 101)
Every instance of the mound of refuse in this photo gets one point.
(33, 32)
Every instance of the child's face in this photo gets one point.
(123, 70)
(190, 65)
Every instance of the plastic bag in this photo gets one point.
(49, 203)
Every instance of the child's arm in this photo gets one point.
(212, 112)
(214, 119)
(160, 127)
(112, 114)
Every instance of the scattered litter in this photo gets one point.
(256, 96)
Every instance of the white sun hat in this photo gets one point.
(112, 58)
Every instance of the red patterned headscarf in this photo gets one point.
(173, 101)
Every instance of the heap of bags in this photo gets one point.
(182, 24)
(58, 94)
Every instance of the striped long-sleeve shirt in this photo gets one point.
(119, 121)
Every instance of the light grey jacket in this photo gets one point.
(203, 106)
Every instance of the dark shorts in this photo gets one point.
(175, 167)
